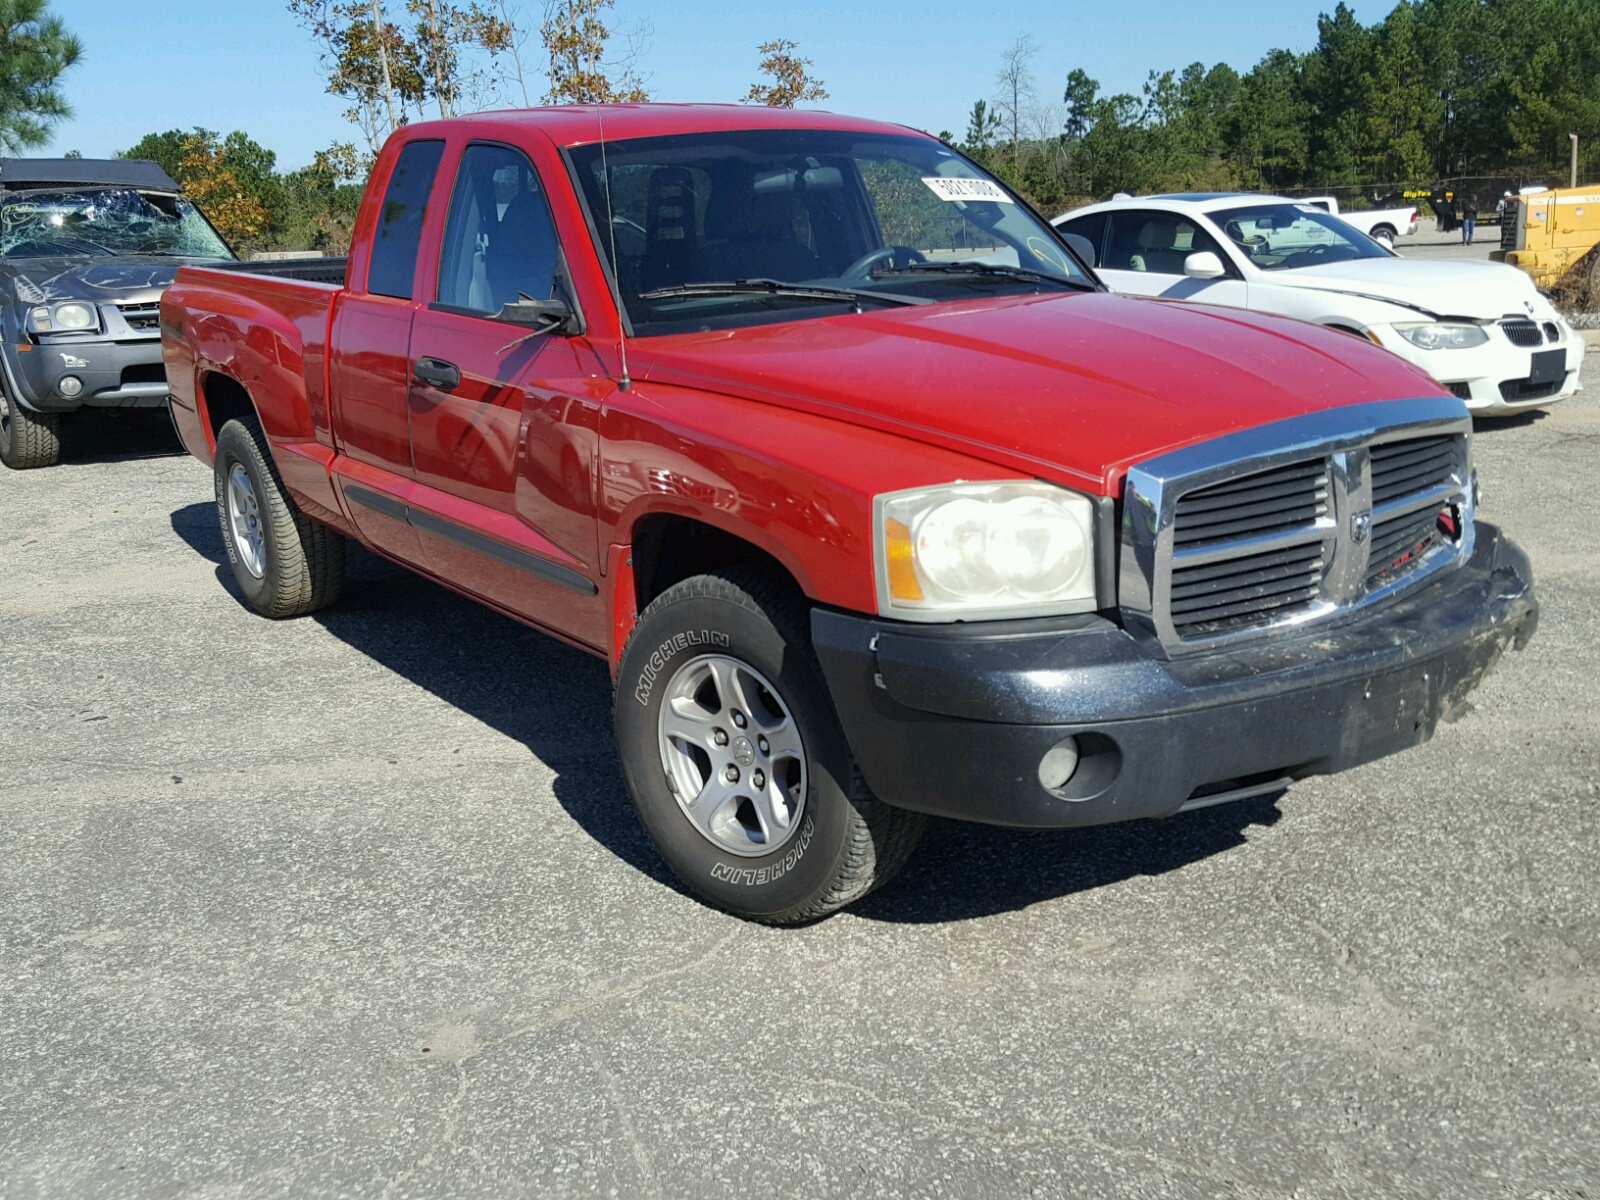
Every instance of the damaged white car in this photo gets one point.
(1481, 329)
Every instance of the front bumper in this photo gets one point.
(1496, 378)
(954, 720)
(115, 374)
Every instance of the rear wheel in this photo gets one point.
(735, 760)
(28, 439)
(1384, 236)
(286, 564)
(1591, 298)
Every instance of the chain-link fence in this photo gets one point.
(1442, 201)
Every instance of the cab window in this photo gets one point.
(405, 203)
(499, 241)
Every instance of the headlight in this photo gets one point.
(975, 550)
(75, 316)
(1443, 335)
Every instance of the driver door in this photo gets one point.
(1144, 251)
(504, 417)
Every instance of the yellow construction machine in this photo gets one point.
(1553, 235)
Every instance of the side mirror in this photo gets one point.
(1204, 265)
(541, 316)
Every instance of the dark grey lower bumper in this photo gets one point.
(955, 720)
(114, 374)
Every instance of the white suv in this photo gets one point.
(1481, 329)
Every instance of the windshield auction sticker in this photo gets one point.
(966, 189)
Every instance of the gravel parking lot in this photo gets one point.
(356, 906)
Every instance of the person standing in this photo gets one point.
(1469, 217)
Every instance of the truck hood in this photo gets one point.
(1074, 387)
(124, 280)
(1481, 291)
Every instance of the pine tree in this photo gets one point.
(35, 49)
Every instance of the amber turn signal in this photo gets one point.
(903, 583)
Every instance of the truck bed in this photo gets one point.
(311, 270)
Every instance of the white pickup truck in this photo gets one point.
(1382, 225)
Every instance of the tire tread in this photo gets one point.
(881, 837)
(35, 439)
(307, 572)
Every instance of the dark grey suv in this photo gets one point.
(86, 249)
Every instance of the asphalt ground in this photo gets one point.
(355, 906)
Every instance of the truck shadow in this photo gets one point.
(557, 702)
(118, 436)
(1521, 420)
(963, 871)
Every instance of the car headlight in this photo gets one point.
(973, 550)
(1443, 335)
(75, 316)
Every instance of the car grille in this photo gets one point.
(1216, 551)
(1208, 598)
(1461, 390)
(1414, 465)
(1400, 543)
(1517, 391)
(1522, 333)
(142, 317)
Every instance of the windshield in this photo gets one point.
(104, 221)
(1281, 237)
(850, 220)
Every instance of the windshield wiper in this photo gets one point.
(776, 287)
(982, 268)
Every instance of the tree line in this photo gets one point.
(1438, 89)
(392, 61)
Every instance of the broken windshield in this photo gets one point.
(105, 221)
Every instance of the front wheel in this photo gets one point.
(28, 439)
(286, 564)
(735, 760)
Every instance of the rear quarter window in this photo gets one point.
(393, 267)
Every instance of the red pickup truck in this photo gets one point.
(877, 502)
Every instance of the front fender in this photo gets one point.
(797, 486)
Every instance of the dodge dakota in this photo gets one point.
(878, 503)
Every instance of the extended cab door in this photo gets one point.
(369, 371)
(504, 416)
(1144, 252)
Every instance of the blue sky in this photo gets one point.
(244, 64)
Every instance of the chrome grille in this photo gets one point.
(1413, 465)
(1209, 597)
(1522, 333)
(1260, 503)
(1215, 598)
(1294, 523)
(1400, 543)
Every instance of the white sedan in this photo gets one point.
(1481, 329)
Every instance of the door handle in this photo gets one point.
(436, 373)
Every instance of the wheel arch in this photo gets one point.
(223, 398)
(669, 547)
(665, 547)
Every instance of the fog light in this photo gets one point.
(69, 386)
(1057, 766)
